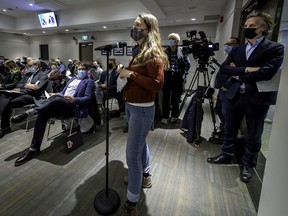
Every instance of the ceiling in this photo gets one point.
(92, 15)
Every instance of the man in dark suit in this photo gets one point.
(102, 86)
(257, 60)
(32, 84)
(73, 101)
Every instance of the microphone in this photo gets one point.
(111, 46)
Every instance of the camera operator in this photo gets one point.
(220, 110)
(259, 59)
(174, 78)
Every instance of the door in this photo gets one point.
(86, 52)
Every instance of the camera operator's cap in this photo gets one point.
(174, 36)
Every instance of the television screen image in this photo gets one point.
(47, 20)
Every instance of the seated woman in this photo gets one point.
(73, 101)
(12, 75)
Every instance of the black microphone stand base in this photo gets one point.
(106, 205)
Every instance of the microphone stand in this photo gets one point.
(107, 201)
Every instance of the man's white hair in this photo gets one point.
(175, 35)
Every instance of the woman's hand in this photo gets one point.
(124, 73)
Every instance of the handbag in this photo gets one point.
(72, 142)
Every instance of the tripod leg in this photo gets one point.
(189, 91)
(212, 114)
(199, 118)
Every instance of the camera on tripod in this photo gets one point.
(200, 47)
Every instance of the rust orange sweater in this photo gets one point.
(145, 81)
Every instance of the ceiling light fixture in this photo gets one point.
(66, 30)
(4, 10)
(31, 4)
(104, 27)
(193, 19)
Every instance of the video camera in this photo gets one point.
(200, 47)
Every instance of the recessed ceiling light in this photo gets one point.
(193, 19)
(31, 4)
(104, 27)
(4, 10)
(66, 30)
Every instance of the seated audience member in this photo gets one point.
(32, 84)
(95, 71)
(13, 75)
(73, 101)
(44, 66)
(20, 64)
(101, 85)
(55, 77)
(69, 65)
(61, 66)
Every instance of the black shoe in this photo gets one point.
(246, 174)
(5, 131)
(220, 159)
(217, 141)
(26, 157)
(19, 118)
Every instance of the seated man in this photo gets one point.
(74, 100)
(102, 86)
(32, 84)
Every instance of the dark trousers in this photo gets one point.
(56, 108)
(15, 100)
(172, 90)
(255, 115)
(220, 107)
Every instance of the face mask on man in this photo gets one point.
(172, 43)
(136, 34)
(228, 49)
(250, 33)
(31, 70)
(110, 66)
(81, 74)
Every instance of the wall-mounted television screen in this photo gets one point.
(47, 20)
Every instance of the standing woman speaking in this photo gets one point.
(145, 75)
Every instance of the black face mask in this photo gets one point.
(250, 33)
(110, 66)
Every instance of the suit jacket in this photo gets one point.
(112, 87)
(40, 77)
(268, 55)
(82, 97)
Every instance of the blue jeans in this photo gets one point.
(137, 151)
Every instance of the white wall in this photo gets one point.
(12, 46)
(273, 200)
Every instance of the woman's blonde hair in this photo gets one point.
(152, 46)
(11, 66)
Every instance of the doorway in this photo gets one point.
(86, 52)
(44, 52)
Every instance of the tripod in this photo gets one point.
(201, 92)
